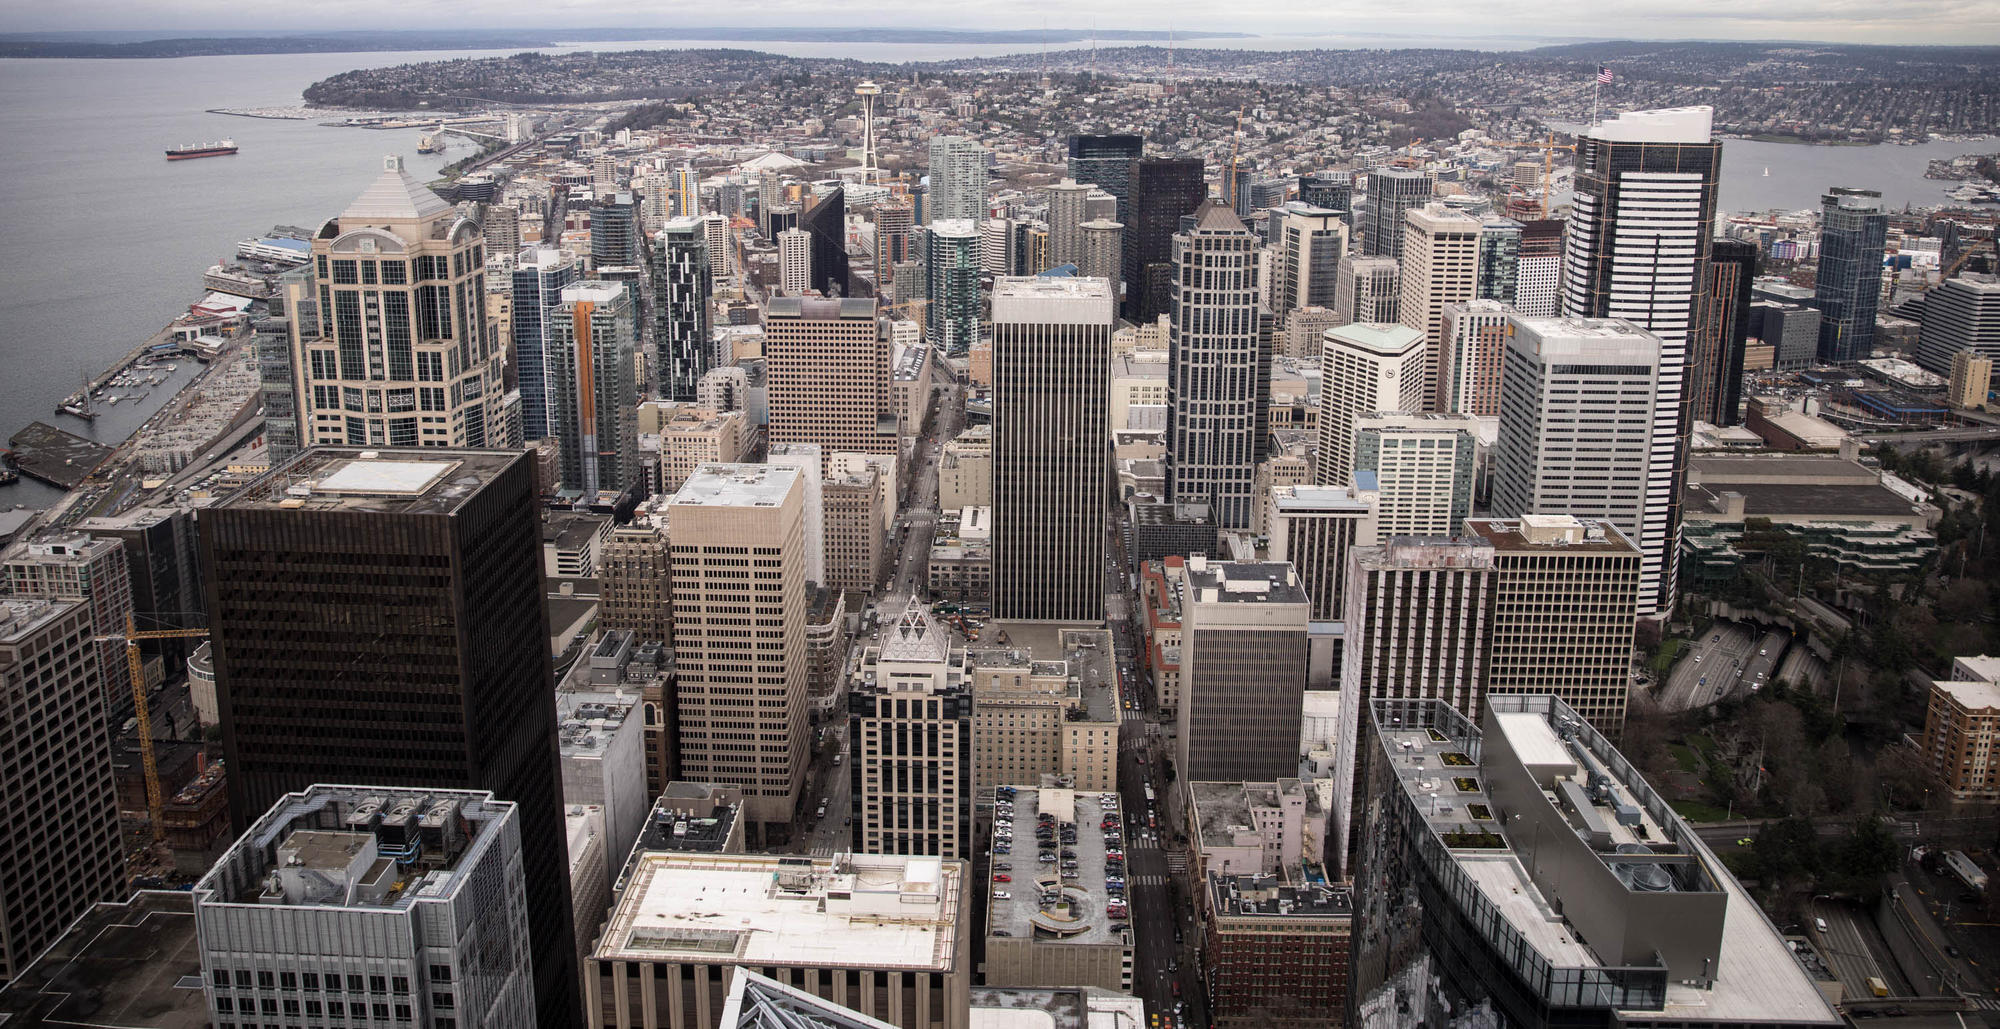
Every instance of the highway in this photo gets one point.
(1730, 660)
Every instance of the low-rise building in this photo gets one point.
(959, 565)
(1045, 702)
(570, 545)
(880, 934)
(826, 652)
(1060, 917)
(856, 534)
(1256, 828)
(1160, 586)
(965, 470)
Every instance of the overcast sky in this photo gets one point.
(1876, 21)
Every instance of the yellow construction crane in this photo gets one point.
(1235, 147)
(1548, 148)
(136, 667)
(1964, 256)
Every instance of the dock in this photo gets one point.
(62, 459)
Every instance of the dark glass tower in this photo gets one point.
(1106, 162)
(1853, 231)
(379, 620)
(827, 221)
(1715, 351)
(1391, 194)
(1164, 189)
(539, 277)
(1335, 195)
(614, 231)
(683, 282)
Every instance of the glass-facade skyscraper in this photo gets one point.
(539, 277)
(1164, 190)
(1391, 194)
(1853, 231)
(683, 282)
(1106, 162)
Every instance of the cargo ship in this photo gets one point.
(219, 148)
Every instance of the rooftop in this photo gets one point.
(1974, 696)
(845, 911)
(1379, 337)
(737, 485)
(757, 1002)
(134, 964)
(1667, 125)
(20, 616)
(1315, 499)
(1066, 899)
(1268, 896)
(1070, 1007)
(1535, 532)
(1244, 582)
(395, 195)
(401, 481)
(1227, 807)
(819, 308)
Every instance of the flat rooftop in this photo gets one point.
(1079, 912)
(1313, 499)
(1225, 806)
(737, 485)
(20, 616)
(1245, 582)
(1268, 896)
(133, 964)
(1380, 337)
(1816, 500)
(1083, 653)
(1539, 533)
(407, 480)
(846, 911)
(1974, 695)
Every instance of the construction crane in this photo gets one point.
(1548, 148)
(136, 667)
(1235, 147)
(1966, 255)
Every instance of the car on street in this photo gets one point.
(1003, 878)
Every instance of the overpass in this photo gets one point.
(1977, 435)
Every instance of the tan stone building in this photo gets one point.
(828, 376)
(910, 741)
(1044, 703)
(1440, 264)
(965, 470)
(855, 531)
(693, 436)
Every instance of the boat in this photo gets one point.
(1767, 173)
(219, 148)
(428, 145)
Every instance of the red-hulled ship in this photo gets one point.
(219, 148)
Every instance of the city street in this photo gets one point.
(1729, 659)
(917, 520)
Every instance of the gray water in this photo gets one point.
(102, 240)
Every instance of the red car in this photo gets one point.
(1003, 878)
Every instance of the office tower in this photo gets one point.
(68, 852)
(808, 459)
(1219, 362)
(1971, 380)
(684, 187)
(614, 231)
(1499, 259)
(996, 246)
(1538, 273)
(683, 283)
(358, 901)
(1474, 340)
(593, 385)
(1236, 189)
(1313, 528)
(1715, 349)
(1107, 163)
(1367, 289)
(951, 276)
(692, 436)
(855, 529)
(1269, 194)
(716, 235)
(769, 197)
(1392, 193)
(1961, 313)
(163, 562)
(1792, 331)
(893, 222)
(910, 737)
(729, 199)
(1103, 252)
(826, 221)
(1440, 268)
(887, 936)
(397, 362)
(829, 375)
(539, 277)
(634, 581)
(1243, 671)
(1638, 245)
(74, 566)
(1364, 368)
(741, 696)
(1164, 190)
(1853, 229)
(1417, 614)
(1565, 593)
(957, 182)
(502, 225)
(1310, 245)
(1662, 935)
(1051, 360)
(277, 377)
(795, 253)
(1068, 210)
(435, 676)
(1577, 430)
(1421, 467)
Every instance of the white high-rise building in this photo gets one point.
(1309, 246)
(1640, 226)
(721, 256)
(1421, 465)
(1578, 434)
(1440, 268)
(1069, 208)
(794, 262)
(1366, 290)
(958, 180)
(807, 459)
(1364, 368)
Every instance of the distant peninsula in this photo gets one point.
(73, 45)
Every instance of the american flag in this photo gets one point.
(1603, 75)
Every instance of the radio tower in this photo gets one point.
(868, 91)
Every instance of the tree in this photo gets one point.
(1787, 853)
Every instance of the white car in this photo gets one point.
(1001, 895)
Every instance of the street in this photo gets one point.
(1729, 659)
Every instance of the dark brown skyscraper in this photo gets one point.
(378, 619)
(1163, 190)
(1715, 349)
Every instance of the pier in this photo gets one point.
(62, 459)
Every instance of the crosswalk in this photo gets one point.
(1177, 862)
(1147, 880)
(1985, 1003)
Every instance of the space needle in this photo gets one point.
(868, 91)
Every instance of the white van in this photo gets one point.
(1820, 924)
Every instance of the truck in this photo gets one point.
(1966, 871)
(1877, 987)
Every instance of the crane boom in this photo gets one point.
(142, 713)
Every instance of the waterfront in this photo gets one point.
(105, 241)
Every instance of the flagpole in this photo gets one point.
(1596, 90)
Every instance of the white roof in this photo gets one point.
(384, 477)
(394, 196)
(772, 161)
(1667, 125)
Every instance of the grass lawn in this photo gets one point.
(1664, 660)
(1685, 757)
(1696, 811)
(1705, 746)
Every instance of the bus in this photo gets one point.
(1877, 987)
(1968, 873)
(1149, 793)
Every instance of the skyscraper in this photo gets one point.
(910, 732)
(1367, 289)
(951, 274)
(1392, 192)
(1106, 162)
(74, 566)
(539, 277)
(1051, 376)
(893, 222)
(56, 726)
(826, 220)
(683, 283)
(1962, 313)
(795, 253)
(1440, 268)
(1219, 362)
(1164, 189)
(958, 181)
(398, 362)
(1638, 246)
(1715, 351)
(1243, 671)
(1364, 368)
(435, 675)
(1102, 255)
(1499, 259)
(1853, 229)
(1421, 468)
(1577, 429)
(1068, 211)
(1313, 528)
(715, 232)
(741, 695)
(1538, 275)
(593, 381)
(1474, 341)
(829, 378)
(614, 231)
(1311, 243)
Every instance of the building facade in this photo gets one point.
(1313, 528)
(1219, 370)
(1368, 289)
(592, 340)
(1243, 670)
(828, 376)
(1440, 261)
(910, 741)
(1853, 231)
(951, 276)
(540, 274)
(1421, 467)
(1365, 368)
(683, 283)
(1164, 189)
